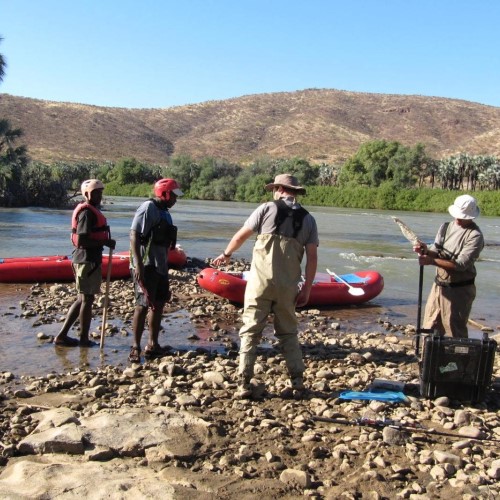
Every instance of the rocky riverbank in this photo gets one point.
(171, 427)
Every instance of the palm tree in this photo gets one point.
(12, 160)
(2, 64)
(8, 136)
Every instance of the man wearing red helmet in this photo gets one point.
(90, 233)
(151, 235)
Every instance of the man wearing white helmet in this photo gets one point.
(151, 235)
(89, 234)
(454, 252)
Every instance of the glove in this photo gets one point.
(110, 243)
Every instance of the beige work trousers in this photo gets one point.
(272, 288)
(448, 309)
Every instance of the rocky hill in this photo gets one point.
(319, 125)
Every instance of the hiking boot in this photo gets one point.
(298, 384)
(244, 389)
(295, 389)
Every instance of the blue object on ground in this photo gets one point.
(388, 396)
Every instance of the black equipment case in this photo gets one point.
(458, 368)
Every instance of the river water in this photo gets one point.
(350, 240)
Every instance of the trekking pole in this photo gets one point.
(106, 297)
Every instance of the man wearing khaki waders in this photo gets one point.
(285, 231)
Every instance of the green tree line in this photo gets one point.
(381, 175)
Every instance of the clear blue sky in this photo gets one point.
(162, 53)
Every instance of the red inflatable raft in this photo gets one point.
(326, 290)
(58, 267)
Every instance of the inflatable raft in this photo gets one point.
(58, 267)
(326, 290)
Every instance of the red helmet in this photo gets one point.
(164, 187)
(89, 185)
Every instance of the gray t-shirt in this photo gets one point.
(146, 217)
(262, 221)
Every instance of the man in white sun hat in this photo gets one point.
(454, 252)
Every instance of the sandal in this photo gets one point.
(87, 343)
(154, 351)
(66, 342)
(135, 355)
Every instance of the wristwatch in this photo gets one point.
(226, 254)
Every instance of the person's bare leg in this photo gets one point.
(85, 318)
(72, 315)
(138, 323)
(154, 319)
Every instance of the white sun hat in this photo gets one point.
(464, 207)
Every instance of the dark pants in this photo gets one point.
(154, 289)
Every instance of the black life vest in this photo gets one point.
(101, 230)
(163, 233)
(284, 212)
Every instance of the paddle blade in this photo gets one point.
(407, 232)
(356, 292)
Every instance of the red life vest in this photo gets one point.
(101, 230)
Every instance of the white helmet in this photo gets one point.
(89, 185)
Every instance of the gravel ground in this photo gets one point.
(276, 444)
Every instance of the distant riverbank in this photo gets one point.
(385, 197)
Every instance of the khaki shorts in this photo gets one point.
(88, 278)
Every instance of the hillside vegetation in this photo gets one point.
(317, 125)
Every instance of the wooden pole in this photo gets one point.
(106, 297)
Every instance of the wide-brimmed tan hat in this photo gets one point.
(464, 207)
(287, 181)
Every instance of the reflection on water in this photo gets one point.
(22, 353)
(349, 240)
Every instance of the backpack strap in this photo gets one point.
(440, 244)
(284, 211)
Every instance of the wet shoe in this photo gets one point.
(135, 355)
(66, 342)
